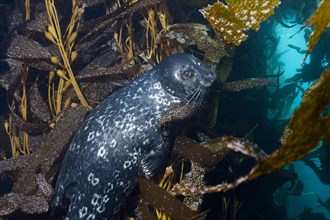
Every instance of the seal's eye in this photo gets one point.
(187, 74)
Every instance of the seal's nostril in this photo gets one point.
(210, 78)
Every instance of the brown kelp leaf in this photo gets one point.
(178, 114)
(31, 204)
(159, 198)
(12, 77)
(21, 47)
(90, 3)
(206, 155)
(39, 18)
(33, 172)
(23, 125)
(61, 135)
(99, 25)
(194, 177)
(307, 126)
(28, 204)
(41, 65)
(97, 81)
(246, 84)
(172, 117)
(189, 34)
(231, 21)
(118, 72)
(37, 105)
(10, 81)
(320, 19)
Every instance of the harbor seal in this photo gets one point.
(120, 138)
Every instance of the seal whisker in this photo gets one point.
(193, 95)
(198, 96)
(201, 97)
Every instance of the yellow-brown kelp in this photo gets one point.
(320, 20)
(65, 46)
(231, 21)
(33, 173)
(308, 127)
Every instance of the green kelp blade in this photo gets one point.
(231, 21)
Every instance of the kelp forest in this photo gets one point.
(233, 160)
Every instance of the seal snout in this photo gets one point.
(207, 79)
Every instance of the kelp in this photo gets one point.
(23, 112)
(325, 204)
(33, 173)
(232, 21)
(195, 34)
(16, 77)
(189, 149)
(215, 150)
(196, 176)
(320, 20)
(246, 84)
(65, 45)
(95, 71)
(219, 87)
(27, 10)
(37, 105)
(307, 125)
(99, 25)
(24, 48)
(100, 67)
(166, 202)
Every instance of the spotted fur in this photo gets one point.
(119, 139)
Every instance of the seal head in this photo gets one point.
(120, 139)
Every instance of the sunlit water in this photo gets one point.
(290, 60)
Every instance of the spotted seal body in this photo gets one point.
(120, 138)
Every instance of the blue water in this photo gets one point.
(289, 61)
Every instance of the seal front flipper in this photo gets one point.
(156, 159)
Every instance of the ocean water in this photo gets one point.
(289, 61)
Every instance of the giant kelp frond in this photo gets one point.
(194, 33)
(320, 20)
(307, 125)
(165, 202)
(32, 172)
(231, 21)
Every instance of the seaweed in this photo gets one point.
(214, 150)
(232, 21)
(165, 202)
(65, 45)
(186, 35)
(89, 59)
(320, 20)
(307, 127)
(33, 173)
